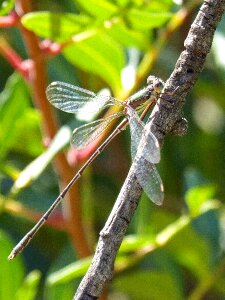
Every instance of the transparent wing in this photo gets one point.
(150, 181)
(71, 98)
(136, 131)
(145, 151)
(149, 147)
(87, 133)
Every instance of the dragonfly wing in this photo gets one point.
(136, 130)
(71, 98)
(87, 133)
(149, 147)
(145, 151)
(150, 181)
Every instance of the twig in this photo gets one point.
(189, 65)
(165, 118)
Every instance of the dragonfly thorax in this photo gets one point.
(150, 93)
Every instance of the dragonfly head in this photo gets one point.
(157, 83)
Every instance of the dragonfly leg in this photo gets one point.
(168, 102)
(146, 110)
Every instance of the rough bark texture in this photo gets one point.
(188, 67)
(165, 118)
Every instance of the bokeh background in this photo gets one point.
(175, 251)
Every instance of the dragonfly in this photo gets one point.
(71, 99)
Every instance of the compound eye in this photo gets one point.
(151, 79)
(159, 85)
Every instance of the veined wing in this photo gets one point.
(87, 133)
(146, 154)
(150, 180)
(71, 98)
(149, 147)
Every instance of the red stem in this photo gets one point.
(38, 81)
(9, 21)
(23, 67)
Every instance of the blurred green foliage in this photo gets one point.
(171, 252)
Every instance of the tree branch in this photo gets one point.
(188, 67)
(165, 118)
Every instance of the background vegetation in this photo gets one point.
(171, 252)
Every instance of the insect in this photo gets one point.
(71, 99)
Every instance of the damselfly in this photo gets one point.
(71, 99)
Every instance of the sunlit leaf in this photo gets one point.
(122, 3)
(128, 37)
(135, 242)
(159, 6)
(147, 20)
(100, 55)
(55, 26)
(98, 8)
(196, 198)
(6, 6)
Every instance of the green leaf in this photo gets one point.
(148, 285)
(62, 291)
(159, 6)
(28, 130)
(142, 20)
(58, 27)
(59, 283)
(29, 288)
(122, 3)
(136, 242)
(198, 197)
(11, 273)
(16, 110)
(13, 103)
(70, 272)
(191, 251)
(219, 284)
(100, 55)
(98, 8)
(128, 37)
(34, 169)
(6, 6)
